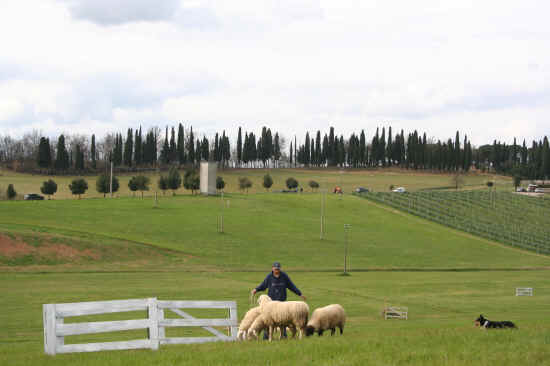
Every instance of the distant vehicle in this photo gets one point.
(539, 190)
(361, 190)
(531, 187)
(33, 197)
(400, 190)
(521, 189)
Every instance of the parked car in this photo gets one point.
(539, 190)
(521, 189)
(361, 190)
(531, 187)
(33, 197)
(399, 190)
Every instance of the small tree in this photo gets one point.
(132, 185)
(191, 180)
(163, 184)
(10, 192)
(268, 181)
(174, 180)
(391, 187)
(291, 183)
(457, 180)
(49, 188)
(103, 184)
(313, 185)
(78, 187)
(244, 183)
(139, 183)
(220, 183)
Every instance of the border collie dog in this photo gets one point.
(487, 324)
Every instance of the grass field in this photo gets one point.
(103, 249)
(349, 179)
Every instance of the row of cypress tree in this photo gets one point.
(411, 151)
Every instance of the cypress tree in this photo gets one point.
(129, 148)
(191, 147)
(457, 152)
(306, 150)
(62, 157)
(198, 151)
(79, 159)
(239, 147)
(276, 149)
(331, 148)
(291, 153)
(389, 148)
(173, 148)
(93, 153)
(181, 144)
(44, 154)
(545, 165)
(216, 151)
(165, 152)
(138, 148)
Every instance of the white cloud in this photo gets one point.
(480, 67)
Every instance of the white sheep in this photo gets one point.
(262, 323)
(328, 317)
(247, 321)
(293, 314)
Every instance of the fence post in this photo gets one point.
(233, 318)
(162, 330)
(49, 328)
(153, 323)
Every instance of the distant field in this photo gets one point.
(349, 179)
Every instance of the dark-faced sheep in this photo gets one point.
(325, 318)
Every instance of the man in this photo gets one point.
(277, 282)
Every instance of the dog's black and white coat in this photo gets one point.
(487, 324)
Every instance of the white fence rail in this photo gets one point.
(524, 291)
(395, 312)
(55, 330)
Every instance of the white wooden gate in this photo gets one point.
(55, 330)
(524, 291)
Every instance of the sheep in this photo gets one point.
(293, 314)
(262, 323)
(247, 321)
(328, 317)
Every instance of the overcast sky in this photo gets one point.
(482, 67)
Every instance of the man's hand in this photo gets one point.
(303, 297)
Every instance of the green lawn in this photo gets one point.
(174, 252)
(440, 331)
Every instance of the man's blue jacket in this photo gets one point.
(277, 286)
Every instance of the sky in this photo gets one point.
(99, 66)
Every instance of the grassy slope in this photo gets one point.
(261, 228)
(378, 180)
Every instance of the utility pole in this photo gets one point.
(323, 210)
(111, 184)
(346, 230)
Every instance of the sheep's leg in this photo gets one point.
(320, 332)
(332, 331)
(270, 337)
(341, 329)
(293, 330)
